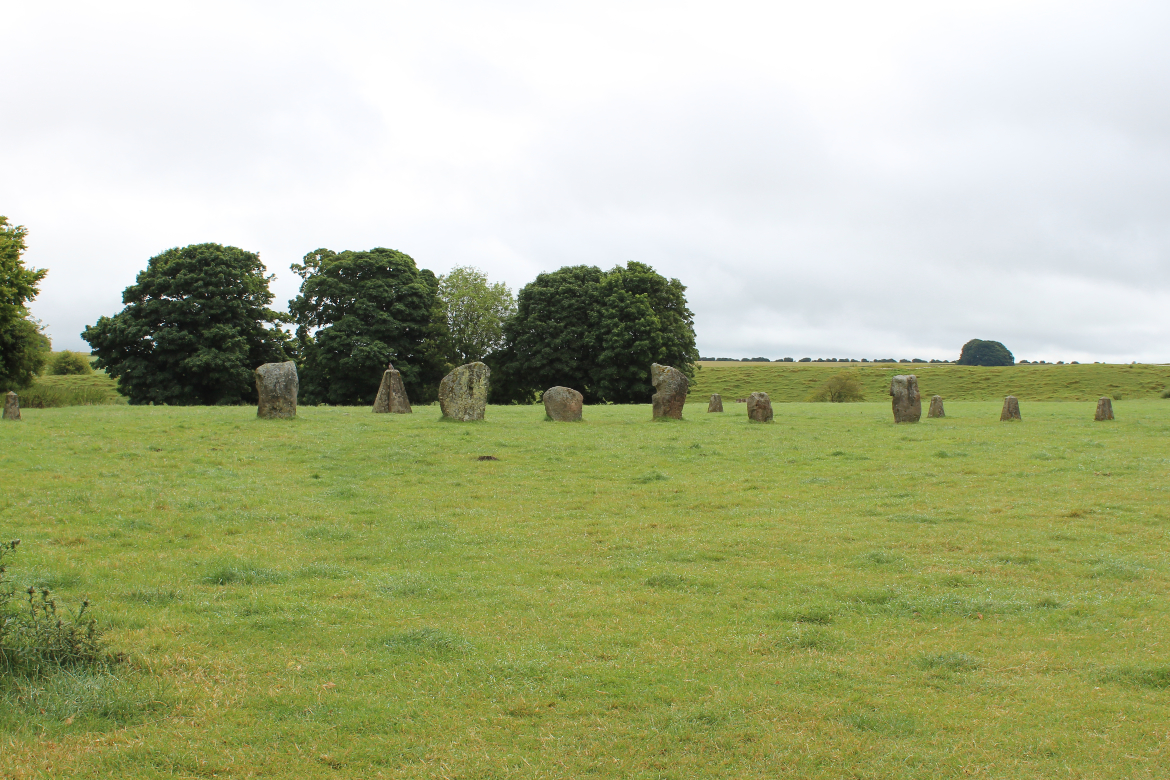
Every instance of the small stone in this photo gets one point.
(759, 407)
(562, 404)
(670, 386)
(1011, 409)
(391, 393)
(716, 404)
(907, 403)
(11, 406)
(936, 407)
(1104, 410)
(463, 393)
(277, 386)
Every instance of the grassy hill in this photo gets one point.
(787, 382)
(71, 390)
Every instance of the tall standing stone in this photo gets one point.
(463, 393)
(1011, 409)
(936, 407)
(277, 386)
(562, 404)
(391, 396)
(907, 403)
(759, 407)
(1104, 409)
(670, 391)
(716, 404)
(11, 406)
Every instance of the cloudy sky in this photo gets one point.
(837, 179)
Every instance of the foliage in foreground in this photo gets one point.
(840, 388)
(23, 347)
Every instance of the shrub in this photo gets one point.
(978, 352)
(1166, 393)
(840, 388)
(62, 363)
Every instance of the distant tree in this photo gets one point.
(196, 324)
(63, 363)
(358, 311)
(23, 346)
(475, 312)
(840, 388)
(978, 352)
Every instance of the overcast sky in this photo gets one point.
(852, 179)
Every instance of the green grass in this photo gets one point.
(786, 382)
(349, 594)
(51, 391)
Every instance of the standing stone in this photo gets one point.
(12, 406)
(716, 404)
(463, 393)
(562, 404)
(277, 386)
(907, 403)
(1011, 409)
(936, 407)
(1104, 410)
(391, 393)
(759, 407)
(670, 394)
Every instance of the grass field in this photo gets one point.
(71, 390)
(786, 382)
(829, 595)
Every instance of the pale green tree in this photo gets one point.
(475, 311)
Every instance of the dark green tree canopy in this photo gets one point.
(195, 327)
(978, 352)
(597, 332)
(358, 311)
(23, 347)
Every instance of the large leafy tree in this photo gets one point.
(23, 347)
(357, 311)
(597, 332)
(978, 352)
(475, 311)
(196, 324)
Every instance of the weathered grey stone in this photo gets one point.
(670, 386)
(716, 404)
(277, 386)
(391, 396)
(562, 404)
(759, 407)
(463, 393)
(936, 407)
(1011, 409)
(11, 406)
(906, 402)
(1104, 410)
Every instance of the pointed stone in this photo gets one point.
(716, 404)
(277, 386)
(670, 391)
(463, 393)
(1011, 409)
(906, 401)
(562, 404)
(759, 407)
(1104, 410)
(936, 407)
(392, 393)
(11, 406)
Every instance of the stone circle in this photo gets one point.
(562, 404)
(906, 401)
(1104, 409)
(391, 396)
(716, 404)
(670, 394)
(1011, 409)
(277, 385)
(759, 407)
(936, 407)
(11, 406)
(463, 393)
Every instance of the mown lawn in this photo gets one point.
(830, 595)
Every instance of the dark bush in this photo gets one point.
(978, 352)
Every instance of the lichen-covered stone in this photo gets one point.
(11, 406)
(716, 404)
(1011, 409)
(1104, 410)
(391, 396)
(463, 393)
(936, 407)
(277, 385)
(670, 391)
(759, 407)
(563, 404)
(906, 401)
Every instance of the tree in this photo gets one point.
(597, 332)
(358, 311)
(62, 363)
(23, 346)
(978, 352)
(840, 388)
(475, 312)
(196, 324)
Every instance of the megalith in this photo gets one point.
(562, 404)
(463, 393)
(716, 404)
(759, 407)
(936, 407)
(1104, 410)
(670, 391)
(391, 396)
(1011, 409)
(11, 406)
(906, 402)
(277, 386)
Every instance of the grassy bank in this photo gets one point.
(830, 595)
